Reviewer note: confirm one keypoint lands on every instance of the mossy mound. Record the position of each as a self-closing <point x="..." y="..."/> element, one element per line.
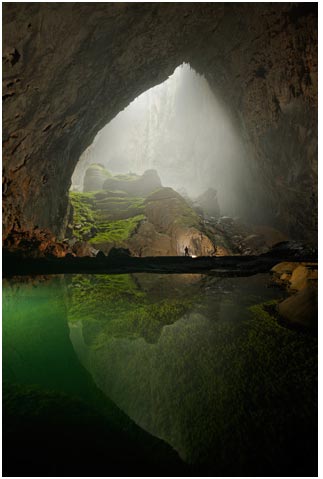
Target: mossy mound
<point x="114" y="233"/>
<point x="134" y="185"/>
<point x="104" y="220"/>
<point x="84" y="214"/>
<point x="95" y="176"/>
<point x="166" y="208"/>
<point x="135" y="212"/>
<point x="116" y="207"/>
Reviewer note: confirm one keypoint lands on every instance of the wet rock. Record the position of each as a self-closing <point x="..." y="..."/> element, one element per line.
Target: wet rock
<point x="303" y="276"/>
<point x="282" y="272"/>
<point x="301" y="309"/>
<point x="300" y="279"/>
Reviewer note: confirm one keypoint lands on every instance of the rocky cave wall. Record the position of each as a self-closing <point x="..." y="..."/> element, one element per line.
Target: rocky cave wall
<point x="69" y="68"/>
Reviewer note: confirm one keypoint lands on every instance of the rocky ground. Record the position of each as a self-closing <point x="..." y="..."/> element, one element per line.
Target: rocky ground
<point x="138" y="214"/>
<point x="300" y="279"/>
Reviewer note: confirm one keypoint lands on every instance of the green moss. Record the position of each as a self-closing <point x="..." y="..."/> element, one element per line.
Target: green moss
<point x="261" y="311"/>
<point x="127" y="177"/>
<point x="116" y="231"/>
<point x="181" y="212"/>
<point x="83" y="213"/>
<point x="187" y="217"/>
<point x="115" y="208"/>
<point x="121" y="309"/>
<point x="101" y="168"/>
<point x="113" y="218"/>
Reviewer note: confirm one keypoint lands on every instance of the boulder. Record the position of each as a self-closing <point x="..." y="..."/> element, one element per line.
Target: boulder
<point x="295" y="276"/>
<point x="148" y="242"/>
<point x="301" y="309"/>
<point x="134" y="185"/>
<point x="303" y="275"/>
<point x="270" y="235"/>
<point x="95" y="176"/>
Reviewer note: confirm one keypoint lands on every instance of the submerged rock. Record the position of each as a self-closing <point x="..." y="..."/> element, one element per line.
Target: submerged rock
<point x="301" y="309"/>
<point x="301" y="280"/>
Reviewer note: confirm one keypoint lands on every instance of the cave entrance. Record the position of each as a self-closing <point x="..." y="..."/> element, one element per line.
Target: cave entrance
<point x="178" y="136"/>
<point x="178" y="128"/>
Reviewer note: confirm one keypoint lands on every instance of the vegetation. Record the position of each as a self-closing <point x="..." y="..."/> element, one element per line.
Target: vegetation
<point x="127" y="177"/>
<point x="239" y="386"/>
<point x="109" y="218"/>
<point x="121" y="309"/>
<point x="100" y="168"/>
<point x="99" y="218"/>
<point x="116" y="232"/>
<point x="84" y="214"/>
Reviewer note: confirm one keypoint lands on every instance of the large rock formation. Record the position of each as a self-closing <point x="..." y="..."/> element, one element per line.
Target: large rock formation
<point x="301" y="280"/>
<point x="160" y="224"/>
<point x="172" y="225"/>
<point x="134" y="186"/>
<point x="69" y="68"/>
<point x="94" y="177"/>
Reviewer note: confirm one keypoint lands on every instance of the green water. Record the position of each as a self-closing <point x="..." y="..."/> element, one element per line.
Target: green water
<point x="196" y="361"/>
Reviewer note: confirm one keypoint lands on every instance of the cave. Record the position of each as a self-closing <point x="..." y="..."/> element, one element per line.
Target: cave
<point x="64" y="80"/>
<point x="160" y="203"/>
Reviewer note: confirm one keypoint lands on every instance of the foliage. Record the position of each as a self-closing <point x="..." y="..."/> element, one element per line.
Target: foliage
<point x="121" y="308"/>
<point x="115" y="232"/>
<point x="96" y="217"/>
<point x="84" y="213"/>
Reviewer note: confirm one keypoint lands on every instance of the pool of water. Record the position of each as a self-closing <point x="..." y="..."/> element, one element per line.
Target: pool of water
<point x="197" y="361"/>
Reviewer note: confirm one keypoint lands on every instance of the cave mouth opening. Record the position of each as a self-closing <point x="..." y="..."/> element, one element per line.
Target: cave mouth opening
<point x="169" y="175"/>
<point x="181" y="130"/>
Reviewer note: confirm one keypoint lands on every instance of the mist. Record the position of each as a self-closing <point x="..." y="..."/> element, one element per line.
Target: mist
<point x="183" y="131"/>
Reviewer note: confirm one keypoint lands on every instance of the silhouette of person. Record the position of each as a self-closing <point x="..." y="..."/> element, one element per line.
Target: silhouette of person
<point x="186" y="251"/>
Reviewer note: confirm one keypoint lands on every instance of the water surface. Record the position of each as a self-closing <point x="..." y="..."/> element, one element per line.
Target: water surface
<point x="194" y="360"/>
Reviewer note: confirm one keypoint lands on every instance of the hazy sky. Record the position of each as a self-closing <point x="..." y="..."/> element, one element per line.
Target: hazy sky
<point x="180" y="129"/>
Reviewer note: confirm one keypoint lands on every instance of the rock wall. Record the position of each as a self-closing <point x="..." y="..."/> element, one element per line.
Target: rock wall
<point x="69" y="68"/>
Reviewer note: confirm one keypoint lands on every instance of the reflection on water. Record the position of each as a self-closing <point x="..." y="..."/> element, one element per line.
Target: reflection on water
<point x="192" y="359"/>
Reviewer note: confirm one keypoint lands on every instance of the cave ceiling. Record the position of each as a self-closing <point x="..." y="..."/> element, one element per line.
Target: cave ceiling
<point x="69" y="68"/>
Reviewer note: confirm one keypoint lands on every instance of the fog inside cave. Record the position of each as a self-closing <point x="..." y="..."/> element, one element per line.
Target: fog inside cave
<point x="180" y="129"/>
